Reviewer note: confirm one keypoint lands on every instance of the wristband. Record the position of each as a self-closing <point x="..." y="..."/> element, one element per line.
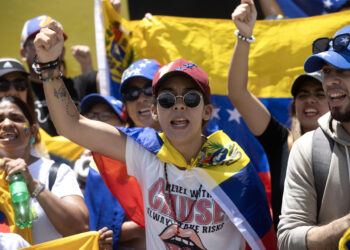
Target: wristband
<point x="39" y="67"/>
<point x="38" y="190"/>
<point x="244" y="38"/>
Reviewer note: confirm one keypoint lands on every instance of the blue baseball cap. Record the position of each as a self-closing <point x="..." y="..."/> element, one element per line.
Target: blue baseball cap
<point x="33" y="26"/>
<point x="340" y="60"/>
<point x="145" y="68"/>
<point x="92" y="99"/>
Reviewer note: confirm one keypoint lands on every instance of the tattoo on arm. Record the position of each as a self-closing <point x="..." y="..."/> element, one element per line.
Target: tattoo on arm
<point x="61" y="92"/>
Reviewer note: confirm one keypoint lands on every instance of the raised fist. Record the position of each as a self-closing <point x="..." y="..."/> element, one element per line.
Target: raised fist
<point x="244" y="17"/>
<point x="48" y="43"/>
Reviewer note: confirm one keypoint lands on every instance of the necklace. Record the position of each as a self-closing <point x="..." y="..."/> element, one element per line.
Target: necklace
<point x="167" y="186"/>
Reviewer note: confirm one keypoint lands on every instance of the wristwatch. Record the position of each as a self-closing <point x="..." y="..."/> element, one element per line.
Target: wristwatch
<point x="38" y="190"/>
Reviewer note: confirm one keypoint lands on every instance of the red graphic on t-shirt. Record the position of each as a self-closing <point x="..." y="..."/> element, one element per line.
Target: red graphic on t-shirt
<point x="186" y="239"/>
<point x="205" y="211"/>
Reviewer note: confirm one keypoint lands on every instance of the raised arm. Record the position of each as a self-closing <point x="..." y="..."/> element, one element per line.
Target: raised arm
<point x="251" y="109"/>
<point x="96" y="136"/>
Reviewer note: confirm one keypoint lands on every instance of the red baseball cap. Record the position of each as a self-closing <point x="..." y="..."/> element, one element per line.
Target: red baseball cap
<point x="182" y="67"/>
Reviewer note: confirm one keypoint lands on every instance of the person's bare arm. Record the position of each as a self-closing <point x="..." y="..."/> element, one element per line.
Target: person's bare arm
<point x="327" y="236"/>
<point x="270" y="7"/>
<point x="251" y="109"/>
<point x="69" y="214"/>
<point x="132" y="235"/>
<point x="96" y="136"/>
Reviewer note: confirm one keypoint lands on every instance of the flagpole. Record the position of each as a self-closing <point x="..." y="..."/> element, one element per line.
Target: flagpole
<point x="103" y="68"/>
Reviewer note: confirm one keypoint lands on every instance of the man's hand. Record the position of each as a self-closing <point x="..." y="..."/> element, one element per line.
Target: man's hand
<point x="83" y="55"/>
<point x="244" y="17"/>
<point x="48" y="43"/>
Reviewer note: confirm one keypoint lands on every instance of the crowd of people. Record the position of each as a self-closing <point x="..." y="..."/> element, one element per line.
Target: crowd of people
<point x="192" y="188"/>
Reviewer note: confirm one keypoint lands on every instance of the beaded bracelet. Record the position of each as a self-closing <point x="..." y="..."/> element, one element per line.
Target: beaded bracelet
<point x="244" y="38"/>
<point x="50" y="79"/>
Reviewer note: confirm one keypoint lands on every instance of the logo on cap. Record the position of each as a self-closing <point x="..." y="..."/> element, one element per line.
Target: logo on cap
<point x="7" y="65"/>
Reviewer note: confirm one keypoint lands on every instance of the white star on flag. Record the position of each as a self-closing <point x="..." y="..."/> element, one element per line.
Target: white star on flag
<point x="234" y="115"/>
<point x="215" y="114"/>
<point x="327" y="3"/>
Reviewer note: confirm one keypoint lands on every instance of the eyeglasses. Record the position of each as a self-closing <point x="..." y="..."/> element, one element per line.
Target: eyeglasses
<point x="132" y="94"/>
<point x="101" y="116"/>
<point x="339" y="43"/>
<point x="190" y="99"/>
<point x="18" y="84"/>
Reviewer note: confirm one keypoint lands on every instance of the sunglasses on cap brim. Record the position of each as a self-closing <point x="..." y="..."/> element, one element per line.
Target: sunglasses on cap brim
<point x="190" y="99"/>
<point x="132" y="94"/>
<point x="18" y="84"/>
<point x="339" y="43"/>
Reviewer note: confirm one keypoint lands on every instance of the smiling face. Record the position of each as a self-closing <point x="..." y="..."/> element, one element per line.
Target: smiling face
<point x="181" y="124"/>
<point x="336" y="85"/>
<point x="310" y="104"/>
<point x="139" y="110"/>
<point x="15" y="131"/>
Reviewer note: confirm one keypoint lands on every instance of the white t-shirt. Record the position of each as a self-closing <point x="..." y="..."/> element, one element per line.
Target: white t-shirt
<point x="206" y="227"/>
<point x="65" y="184"/>
<point x="12" y="241"/>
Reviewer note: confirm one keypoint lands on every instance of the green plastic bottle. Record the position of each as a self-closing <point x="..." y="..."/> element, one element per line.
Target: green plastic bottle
<point x="20" y="201"/>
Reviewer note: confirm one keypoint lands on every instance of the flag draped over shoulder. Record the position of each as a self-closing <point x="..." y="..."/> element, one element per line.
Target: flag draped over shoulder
<point x="226" y="172"/>
<point x="82" y="241"/>
<point x="344" y="243"/>
<point x="7" y="216"/>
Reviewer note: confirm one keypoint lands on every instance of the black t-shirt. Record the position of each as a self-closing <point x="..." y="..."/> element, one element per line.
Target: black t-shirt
<point x="77" y="87"/>
<point x="275" y="143"/>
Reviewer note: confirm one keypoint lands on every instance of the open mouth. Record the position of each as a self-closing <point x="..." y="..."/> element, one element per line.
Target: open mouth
<point x="7" y="136"/>
<point x="179" y="123"/>
<point x="187" y="239"/>
<point x="145" y="112"/>
<point x="311" y="112"/>
<point x="336" y="96"/>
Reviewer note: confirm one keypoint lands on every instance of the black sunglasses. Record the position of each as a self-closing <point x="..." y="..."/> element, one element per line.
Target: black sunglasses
<point x="339" y="43"/>
<point x="190" y="99"/>
<point x="132" y="94"/>
<point x="18" y="84"/>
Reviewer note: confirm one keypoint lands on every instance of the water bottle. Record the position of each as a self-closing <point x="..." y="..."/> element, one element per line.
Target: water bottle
<point x="20" y="201"/>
